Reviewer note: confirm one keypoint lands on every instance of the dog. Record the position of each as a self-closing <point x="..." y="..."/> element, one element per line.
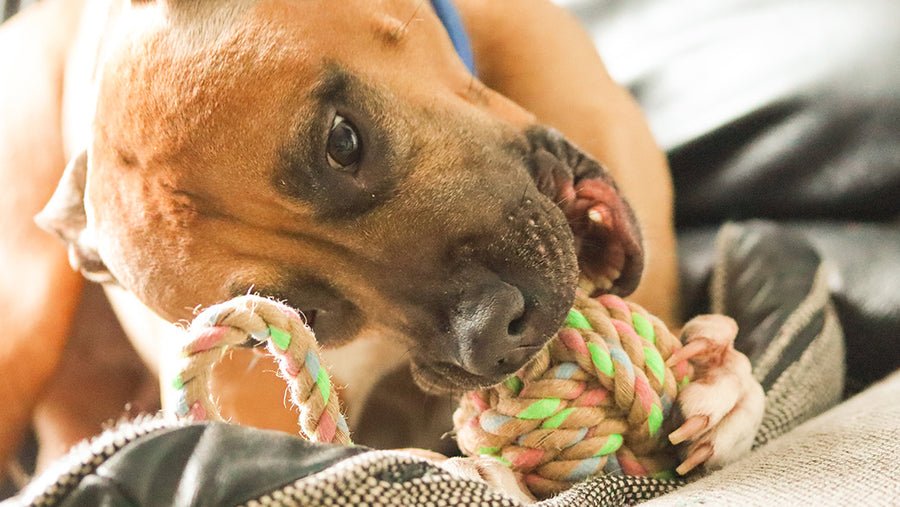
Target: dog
<point x="338" y="156"/>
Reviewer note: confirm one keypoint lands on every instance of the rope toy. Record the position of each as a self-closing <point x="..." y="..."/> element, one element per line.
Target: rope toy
<point x="251" y="321"/>
<point x="592" y="402"/>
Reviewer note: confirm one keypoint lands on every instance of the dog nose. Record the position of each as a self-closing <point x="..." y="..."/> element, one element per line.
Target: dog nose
<point x="492" y="331"/>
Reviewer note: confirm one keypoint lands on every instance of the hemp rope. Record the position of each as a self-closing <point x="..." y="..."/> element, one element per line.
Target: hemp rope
<point x="250" y="321"/>
<point x="592" y="402"/>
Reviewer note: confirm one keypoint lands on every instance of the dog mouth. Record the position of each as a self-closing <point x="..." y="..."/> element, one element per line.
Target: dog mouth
<point x="608" y="240"/>
<point x="445" y="377"/>
<point x="607" y="246"/>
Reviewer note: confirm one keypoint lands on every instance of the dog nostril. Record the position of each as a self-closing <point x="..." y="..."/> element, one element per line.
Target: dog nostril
<point x="516" y="326"/>
<point x="492" y="329"/>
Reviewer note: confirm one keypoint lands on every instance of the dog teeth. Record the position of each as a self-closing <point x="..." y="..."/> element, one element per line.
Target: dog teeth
<point x="613" y="274"/>
<point x="603" y="283"/>
<point x="594" y="284"/>
<point x="596" y="216"/>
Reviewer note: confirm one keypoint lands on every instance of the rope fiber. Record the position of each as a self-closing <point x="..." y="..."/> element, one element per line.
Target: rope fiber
<point x="250" y="321"/>
<point x="596" y="400"/>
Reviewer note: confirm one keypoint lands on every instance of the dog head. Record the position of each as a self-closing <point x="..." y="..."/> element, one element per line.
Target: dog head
<point x="339" y="157"/>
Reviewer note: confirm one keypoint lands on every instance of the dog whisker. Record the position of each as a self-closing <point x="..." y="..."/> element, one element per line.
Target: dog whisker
<point x="476" y="91"/>
<point x="401" y="31"/>
<point x="524" y="195"/>
<point x="411" y="350"/>
<point x="561" y="201"/>
<point x="416" y="369"/>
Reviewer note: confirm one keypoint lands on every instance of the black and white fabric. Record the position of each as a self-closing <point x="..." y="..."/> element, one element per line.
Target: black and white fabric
<point x="773" y="283"/>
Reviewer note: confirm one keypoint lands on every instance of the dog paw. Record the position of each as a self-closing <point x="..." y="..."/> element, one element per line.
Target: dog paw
<point x="491" y="471"/>
<point x="723" y="404"/>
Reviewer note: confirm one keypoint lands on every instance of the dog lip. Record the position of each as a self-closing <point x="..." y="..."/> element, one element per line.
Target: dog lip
<point x="530" y="349"/>
<point x="586" y="192"/>
<point x="89" y="264"/>
<point x="631" y="273"/>
<point x="443" y="377"/>
<point x="611" y="236"/>
<point x="309" y="318"/>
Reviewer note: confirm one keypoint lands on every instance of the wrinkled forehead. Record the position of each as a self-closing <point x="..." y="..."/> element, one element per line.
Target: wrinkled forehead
<point x="180" y="62"/>
<point x="192" y="84"/>
<point x="371" y="36"/>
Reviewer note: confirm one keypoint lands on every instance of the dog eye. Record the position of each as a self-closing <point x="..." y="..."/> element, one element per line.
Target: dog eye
<point x="343" y="148"/>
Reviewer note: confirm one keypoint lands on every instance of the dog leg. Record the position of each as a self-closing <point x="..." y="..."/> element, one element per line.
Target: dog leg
<point x="100" y="379"/>
<point x="723" y="405"/>
<point x="37" y="301"/>
<point x="38" y="289"/>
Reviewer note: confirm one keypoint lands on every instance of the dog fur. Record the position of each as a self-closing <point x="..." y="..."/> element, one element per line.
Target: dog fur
<point x="196" y="134"/>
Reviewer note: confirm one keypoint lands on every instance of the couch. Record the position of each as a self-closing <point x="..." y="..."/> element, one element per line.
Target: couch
<point x="781" y="120"/>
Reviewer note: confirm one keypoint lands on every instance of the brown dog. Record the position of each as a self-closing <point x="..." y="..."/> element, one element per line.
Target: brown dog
<point x="337" y="155"/>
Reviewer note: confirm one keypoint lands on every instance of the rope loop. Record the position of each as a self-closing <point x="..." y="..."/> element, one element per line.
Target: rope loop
<point x="592" y="402"/>
<point x="250" y="321"/>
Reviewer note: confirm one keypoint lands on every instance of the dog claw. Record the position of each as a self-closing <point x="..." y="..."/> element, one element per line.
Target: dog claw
<point x="694" y="425"/>
<point x="697" y="457"/>
<point x="690" y="350"/>
<point x="723" y="404"/>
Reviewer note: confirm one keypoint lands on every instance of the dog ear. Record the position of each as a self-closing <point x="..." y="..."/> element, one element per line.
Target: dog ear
<point x="65" y="217"/>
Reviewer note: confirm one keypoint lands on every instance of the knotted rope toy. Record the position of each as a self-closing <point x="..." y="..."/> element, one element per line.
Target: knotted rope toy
<point x="592" y="402"/>
<point x="250" y="321"/>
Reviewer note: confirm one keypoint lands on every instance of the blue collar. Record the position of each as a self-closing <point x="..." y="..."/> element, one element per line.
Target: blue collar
<point x="452" y="22"/>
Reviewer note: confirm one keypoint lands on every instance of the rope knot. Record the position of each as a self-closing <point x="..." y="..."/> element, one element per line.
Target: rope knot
<point x="593" y="401"/>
